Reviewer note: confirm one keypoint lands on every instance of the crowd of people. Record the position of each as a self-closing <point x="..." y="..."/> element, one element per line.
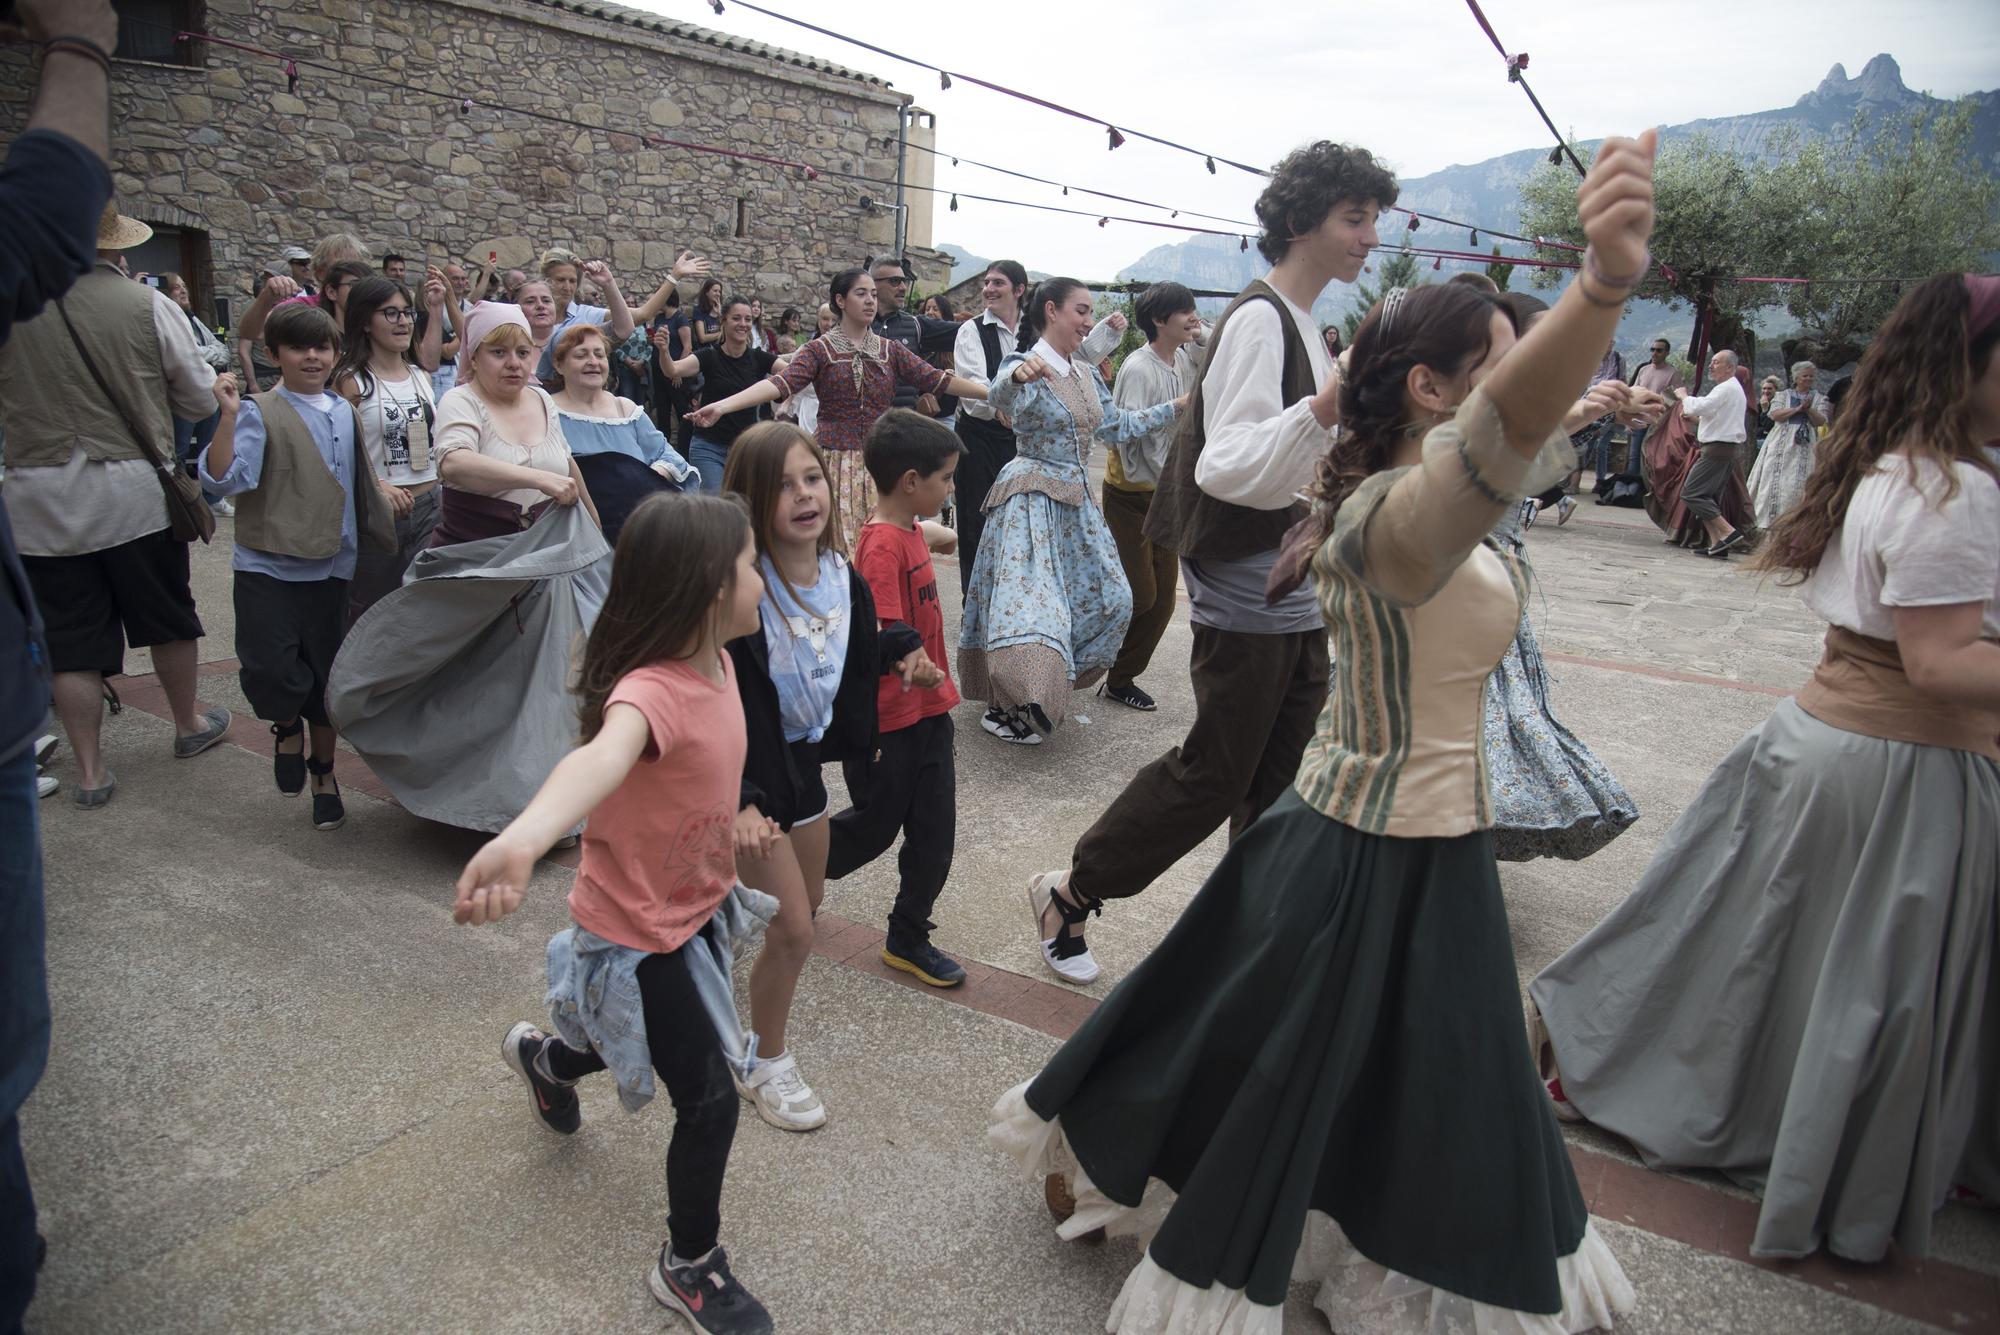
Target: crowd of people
<point x="698" y="549"/>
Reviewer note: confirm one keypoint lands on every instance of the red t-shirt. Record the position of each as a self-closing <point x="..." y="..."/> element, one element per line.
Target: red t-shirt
<point x="896" y="562"/>
<point x="660" y="853"/>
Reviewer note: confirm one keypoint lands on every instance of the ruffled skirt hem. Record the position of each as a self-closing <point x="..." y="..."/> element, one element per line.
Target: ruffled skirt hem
<point x="1354" y="1293"/>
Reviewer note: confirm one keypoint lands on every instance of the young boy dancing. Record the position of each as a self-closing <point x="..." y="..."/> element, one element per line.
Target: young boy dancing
<point x="306" y="500"/>
<point x="912" y="787"/>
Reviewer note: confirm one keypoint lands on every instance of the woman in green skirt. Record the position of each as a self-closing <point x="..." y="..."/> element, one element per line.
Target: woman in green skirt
<point x="1322" y="1072"/>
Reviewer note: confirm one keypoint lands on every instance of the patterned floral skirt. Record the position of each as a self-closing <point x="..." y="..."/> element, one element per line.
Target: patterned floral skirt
<point x="1048" y="604"/>
<point x="853" y="494"/>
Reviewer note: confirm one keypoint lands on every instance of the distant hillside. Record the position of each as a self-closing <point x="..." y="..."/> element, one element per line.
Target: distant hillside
<point x="1490" y="192"/>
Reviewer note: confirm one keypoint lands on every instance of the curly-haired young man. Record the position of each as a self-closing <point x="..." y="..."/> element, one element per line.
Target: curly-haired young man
<point x="1265" y="407"/>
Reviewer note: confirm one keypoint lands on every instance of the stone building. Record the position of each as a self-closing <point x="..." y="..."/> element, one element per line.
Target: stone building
<point x="231" y="160"/>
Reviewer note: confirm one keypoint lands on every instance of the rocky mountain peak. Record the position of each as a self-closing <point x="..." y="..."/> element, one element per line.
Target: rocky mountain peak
<point x="1881" y="81"/>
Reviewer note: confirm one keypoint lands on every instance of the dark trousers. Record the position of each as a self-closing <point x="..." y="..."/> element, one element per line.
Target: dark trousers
<point x="1702" y="493"/>
<point x="988" y="449"/>
<point x="287" y="633"/>
<point x="378" y="574"/>
<point x="24" y="1024"/>
<point x="1257" y="699"/>
<point x="687" y="1054"/>
<point x="911" y="789"/>
<point x="1152" y="572"/>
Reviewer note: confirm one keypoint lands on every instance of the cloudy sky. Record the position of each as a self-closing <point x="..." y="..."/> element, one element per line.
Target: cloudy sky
<point x="1414" y="80"/>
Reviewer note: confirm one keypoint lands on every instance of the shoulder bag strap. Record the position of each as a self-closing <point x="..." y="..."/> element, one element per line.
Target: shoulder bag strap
<point x="151" y="452"/>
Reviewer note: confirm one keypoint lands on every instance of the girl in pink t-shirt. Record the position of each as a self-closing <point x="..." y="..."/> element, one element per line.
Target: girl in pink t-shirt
<point x="657" y="773"/>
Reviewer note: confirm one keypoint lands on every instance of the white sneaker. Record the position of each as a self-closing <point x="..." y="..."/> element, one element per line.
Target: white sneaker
<point x="1564" y="509"/>
<point x="1009" y="727"/>
<point x="46" y="785"/>
<point x="1078" y="965"/>
<point x="223" y="509"/>
<point x="781" y="1095"/>
<point x="45" y="747"/>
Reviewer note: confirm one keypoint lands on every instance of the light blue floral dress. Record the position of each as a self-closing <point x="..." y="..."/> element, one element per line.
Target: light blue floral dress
<point x="1048" y="603"/>
<point x="1552" y="798"/>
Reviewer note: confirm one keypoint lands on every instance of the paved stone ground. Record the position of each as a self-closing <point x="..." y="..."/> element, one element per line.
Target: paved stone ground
<point x="276" y="1100"/>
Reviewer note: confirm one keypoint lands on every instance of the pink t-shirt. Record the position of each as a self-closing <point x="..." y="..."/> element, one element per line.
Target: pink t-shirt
<point x="659" y="854"/>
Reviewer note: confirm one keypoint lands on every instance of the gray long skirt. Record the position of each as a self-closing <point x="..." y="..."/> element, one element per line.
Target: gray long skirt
<point x="1801" y="990"/>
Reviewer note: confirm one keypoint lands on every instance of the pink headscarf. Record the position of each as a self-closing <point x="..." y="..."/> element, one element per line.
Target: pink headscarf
<point x="1984" y="290"/>
<point x="486" y="316"/>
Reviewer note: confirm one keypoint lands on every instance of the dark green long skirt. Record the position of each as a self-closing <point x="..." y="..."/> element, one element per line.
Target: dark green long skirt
<point x="1335" y="1025"/>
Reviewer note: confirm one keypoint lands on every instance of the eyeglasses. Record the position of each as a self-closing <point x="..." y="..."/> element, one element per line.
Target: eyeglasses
<point x="397" y="314"/>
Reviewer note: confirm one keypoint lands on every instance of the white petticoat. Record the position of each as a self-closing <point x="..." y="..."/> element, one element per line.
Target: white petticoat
<point x="1355" y="1294"/>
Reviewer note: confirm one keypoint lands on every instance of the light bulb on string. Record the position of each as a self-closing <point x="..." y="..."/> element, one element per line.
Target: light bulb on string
<point x="1211" y="165"/>
<point x="1117" y="139"/>
<point x="1104" y="222"/>
<point x="944" y="81"/>
<point x="715" y="5"/>
<point x="1243" y="243"/>
<point x="954" y="203"/>
<point x="1475" y="236"/>
<point x="1438" y="263"/>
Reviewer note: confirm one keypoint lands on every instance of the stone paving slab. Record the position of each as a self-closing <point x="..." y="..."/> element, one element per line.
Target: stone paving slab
<point x="278" y="1103"/>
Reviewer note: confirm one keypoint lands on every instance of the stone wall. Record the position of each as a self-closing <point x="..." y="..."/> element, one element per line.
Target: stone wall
<point x="222" y="146"/>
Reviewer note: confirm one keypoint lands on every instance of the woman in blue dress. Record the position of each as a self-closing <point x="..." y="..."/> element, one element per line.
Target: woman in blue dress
<point x="622" y="455"/>
<point x="1048" y="603"/>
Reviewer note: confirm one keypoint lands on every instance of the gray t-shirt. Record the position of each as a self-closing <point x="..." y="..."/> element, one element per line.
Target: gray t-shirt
<point x="1229" y="595"/>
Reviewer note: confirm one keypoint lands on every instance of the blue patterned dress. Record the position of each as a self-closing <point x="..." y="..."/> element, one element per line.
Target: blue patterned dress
<point x="1048" y="604"/>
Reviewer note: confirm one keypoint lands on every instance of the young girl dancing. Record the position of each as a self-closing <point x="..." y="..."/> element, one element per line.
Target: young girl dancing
<point x="808" y="674"/>
<point x="641" y="983"/>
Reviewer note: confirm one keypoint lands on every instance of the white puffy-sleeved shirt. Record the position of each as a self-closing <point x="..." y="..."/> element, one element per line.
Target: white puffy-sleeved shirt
<point x="1905" y="545"/>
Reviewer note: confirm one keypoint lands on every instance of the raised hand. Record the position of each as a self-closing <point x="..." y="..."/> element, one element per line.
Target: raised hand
<point x="1615" y="204"/>
<point x="1031" y="370"/>
<point x="689" y="265"/>
<point x="39" y="20"/>
<point x="436" y="290"/>
<point x="1117" y="322"/>
<point x="280" y="288"/>
<point x="228" y="394"/>
<point x="598" y="272"/>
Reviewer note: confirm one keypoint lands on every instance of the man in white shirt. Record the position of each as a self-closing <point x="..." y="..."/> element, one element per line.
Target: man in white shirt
<point x="1719" y="429"/>
<point x="1262" y="416"/>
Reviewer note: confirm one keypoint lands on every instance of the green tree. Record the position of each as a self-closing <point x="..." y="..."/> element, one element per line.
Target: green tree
<point x="1903" y="199"/>
<point x="1399" y="270"/>
<point x="1907" y="202"/>
<point x="1501" y="274"/>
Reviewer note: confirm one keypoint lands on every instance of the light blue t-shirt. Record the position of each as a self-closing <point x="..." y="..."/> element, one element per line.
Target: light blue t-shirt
<point x="807" y="641"/>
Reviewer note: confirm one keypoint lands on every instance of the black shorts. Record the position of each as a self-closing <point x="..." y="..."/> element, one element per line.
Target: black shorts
<point x="136" y="593"/>
<point x="287" y="633"/>
<point x="813" y="800"/>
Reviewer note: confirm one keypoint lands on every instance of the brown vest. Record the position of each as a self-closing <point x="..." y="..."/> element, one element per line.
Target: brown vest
<point x="1186" y="519"/>
<point x="297" y="505"/>
<point x="49" y="401"/>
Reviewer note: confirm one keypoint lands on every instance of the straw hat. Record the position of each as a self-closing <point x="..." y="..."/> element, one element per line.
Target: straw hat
<point x="117" y="232"/>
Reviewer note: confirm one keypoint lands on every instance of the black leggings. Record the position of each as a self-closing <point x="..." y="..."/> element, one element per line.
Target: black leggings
<point x="687" y="1053"/>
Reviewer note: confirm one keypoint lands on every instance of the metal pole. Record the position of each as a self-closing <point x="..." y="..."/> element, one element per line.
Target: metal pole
<point x="902" y="154"/>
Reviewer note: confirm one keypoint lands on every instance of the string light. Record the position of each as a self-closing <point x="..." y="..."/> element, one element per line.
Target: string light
<point x="944" y="81"/>
<point x="954" y="203"/>
<point x="1117" y="139"/>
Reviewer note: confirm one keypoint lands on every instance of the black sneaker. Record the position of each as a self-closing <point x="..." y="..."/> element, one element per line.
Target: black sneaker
<point x="329" y="812"/>
<point x="555" y="1100"/>
<point x="1131" y="697"/>
<point x="1729" y="544"/>
<point x="707" y="1295"/>
<point x="926" y="961"/>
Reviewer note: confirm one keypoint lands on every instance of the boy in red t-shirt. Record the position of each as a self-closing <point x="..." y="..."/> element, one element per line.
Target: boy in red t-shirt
<point x="912" y="786"/>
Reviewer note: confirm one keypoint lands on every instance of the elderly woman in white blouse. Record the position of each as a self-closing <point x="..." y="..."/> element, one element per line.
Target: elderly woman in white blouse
<point x="1785" y="459"/>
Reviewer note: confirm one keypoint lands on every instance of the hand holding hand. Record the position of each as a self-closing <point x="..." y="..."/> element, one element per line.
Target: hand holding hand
<point x="558" y="487"/>
<point x="400" y="501"/>
<point x="689" y="265"/>
<point x="492" y="884"/>
<point x="1615" y="203"/>
<point x="917" y="670"/>
<point x="927" y="404"/>
<point x="756" y="834"/>
<point x="1031" y="370"/>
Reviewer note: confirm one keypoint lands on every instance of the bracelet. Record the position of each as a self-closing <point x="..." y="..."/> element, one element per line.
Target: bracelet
<point x="81" y="46"/>
<point x="1590" y="267"/>
<point x="1583" y="281"/>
